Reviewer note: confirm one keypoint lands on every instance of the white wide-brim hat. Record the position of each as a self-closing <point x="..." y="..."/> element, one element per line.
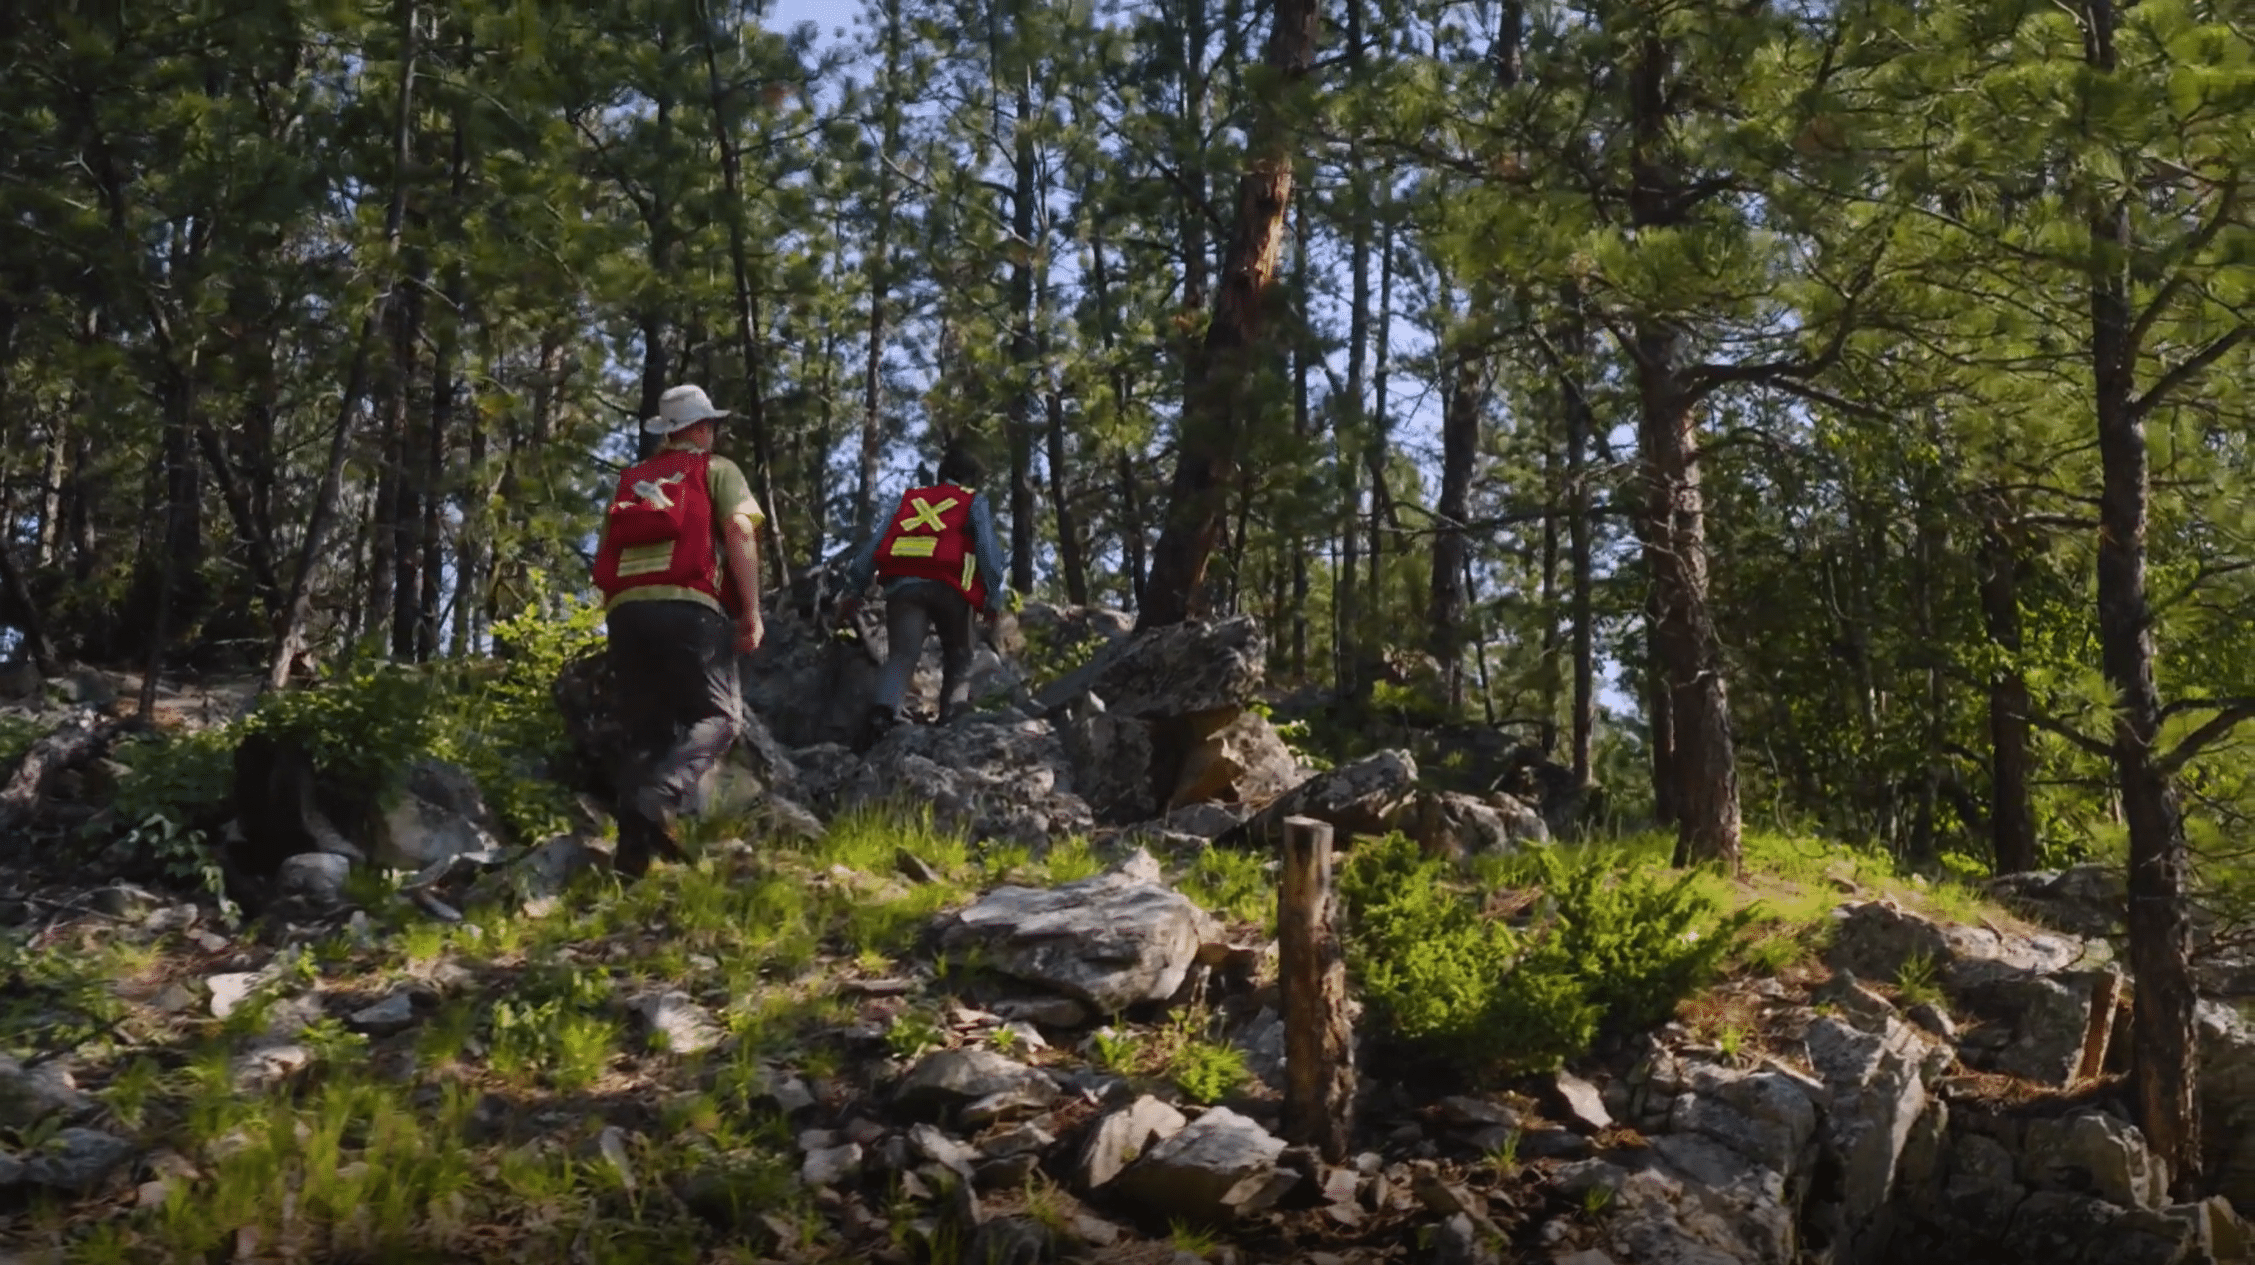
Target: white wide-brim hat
<point x="682" y="406"/>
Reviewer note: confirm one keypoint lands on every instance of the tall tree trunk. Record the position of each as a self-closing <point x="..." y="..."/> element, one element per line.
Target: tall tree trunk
<point x="747" y="320"/>
<point x="1131" y="510"/>
<point x="182" y="539"/>
<point x="1023" y="347"/>
<point x="1215" y="424"/>
<point x="1379" y="434"/>
<point x="258" y="546"/>
<point x="443" y="387"/>
<point x="2164" y="1075"/>
<point x="291" y="643"/>
<point x="1553" y="634"/>
<point x="1705" y="794"/>
<point x="2012" y="813"/>
<point x="1068" y="527"/>
<point x="880" y="279"/>
<point x="1575" y="409"/>
<point x="1460" y="447"/>
<point x="1303" y="428"/>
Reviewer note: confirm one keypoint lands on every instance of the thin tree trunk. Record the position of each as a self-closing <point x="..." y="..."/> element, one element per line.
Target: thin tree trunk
<point x="182" y="541"/>
<point x="1574" y="405"/>
<point x="1068" y="527"/>
<point x="18" y="592"/>
<point x="1303" y="427"/>
<point x="1131" y="510"/>
<point x="880" y="278"/>
<point x="443" y="388"/>
<point x="2012" y="814"/>
<point x="1023" y="347"/>
<point x="747" y="321"/>
<point x="258" y="547"/>
<point x="1380" y="430"/>
<point x="1460" y="446"/>
<point x="1553" y="635"/>
<point x="291" y="643"/>
<point x="1214" y="427"/>
<point x="1705" y="793"/>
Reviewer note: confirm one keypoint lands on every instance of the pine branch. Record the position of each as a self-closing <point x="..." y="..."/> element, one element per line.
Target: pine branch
<point x="2187" y="371"/>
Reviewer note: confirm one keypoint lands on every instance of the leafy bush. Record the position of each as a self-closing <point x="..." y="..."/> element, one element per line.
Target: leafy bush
<point x="1640" y="944"/>
<point x="1618" y="947"/>
<point x="503" y="726"/>
<point x="1208" y="1072"/>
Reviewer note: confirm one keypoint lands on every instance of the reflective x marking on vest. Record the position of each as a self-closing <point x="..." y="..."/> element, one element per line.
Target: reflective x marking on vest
<point x="927" y="514"/>
<point x="653" y="494"/>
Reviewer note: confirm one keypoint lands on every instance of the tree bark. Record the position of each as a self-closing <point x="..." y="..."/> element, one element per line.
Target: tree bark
<point x="880" y="279"/>
<point x="291" y="643"/>
<point x="1460" y="444"/>
<point x="1705" y="791"/>
<point x="2012" y="813"/>
<point x="1303" y="427"/>
<point x="2165" y="1073"/>
<point x="747" y="319"/>
<point x="1069" y="558"/>
<point x="1023" y="347"/>
<point x="1574" y="408"/>
<point x="1213" y="428"/>
<point x="1319" y="1091"/>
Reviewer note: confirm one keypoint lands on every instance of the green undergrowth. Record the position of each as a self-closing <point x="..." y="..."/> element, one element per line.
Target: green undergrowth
<point x="366" y="725"/>
<point x="1614" y="939"/>
<point x="476" y="1133"/>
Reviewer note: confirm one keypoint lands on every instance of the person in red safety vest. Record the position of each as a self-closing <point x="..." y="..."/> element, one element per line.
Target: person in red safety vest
<point x="942" y="568"/>
<point x="678" y="565"/>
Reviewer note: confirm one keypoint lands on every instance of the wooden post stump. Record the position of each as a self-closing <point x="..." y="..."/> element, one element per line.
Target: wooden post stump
<point x="1319" y="1073"/>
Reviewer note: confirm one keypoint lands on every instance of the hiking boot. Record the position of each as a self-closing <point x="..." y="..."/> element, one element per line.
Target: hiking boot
<point x="638" y="842"/>
<point x="879" y="722"/>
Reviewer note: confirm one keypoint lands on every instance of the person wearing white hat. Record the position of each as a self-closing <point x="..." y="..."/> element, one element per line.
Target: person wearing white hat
<point x="678" y="564"/>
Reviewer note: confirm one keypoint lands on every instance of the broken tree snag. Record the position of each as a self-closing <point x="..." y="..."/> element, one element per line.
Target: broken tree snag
<point x="82" y="739"/>
<point x="1319" y="1073"/>
<point x="2106" y="998"/>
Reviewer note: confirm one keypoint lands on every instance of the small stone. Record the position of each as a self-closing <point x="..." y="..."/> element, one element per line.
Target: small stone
<point x="831" y="1165"/>
<point x="940" y="1149"/>
<point x="1026" y="1035"/>
<point x="1048" y="1012"/>
<point x="1583" y="1101"/>
<point x="395" y="1013"/>
<point x="1094" y="1231"/>
<point x="268" y="1064"/>
<point x="1935" y="1020"/>
<point x="77" y="1160"/>
<point x="1120" y="1138"/>
<point x="1022" y="1140"/>
<point x="208" y="941"/>
<point x="171" y="918"/>
<point x="916" y="868"/>
<point x="612" y="1143"/>
<point x="124" y="900"/>
<point x="1006" y="1172"/>
<point x="684" y="1025"/>
<point x="228" y="991"/>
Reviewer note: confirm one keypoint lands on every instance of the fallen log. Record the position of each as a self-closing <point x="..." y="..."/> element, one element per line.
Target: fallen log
<point x="80" y="740"/>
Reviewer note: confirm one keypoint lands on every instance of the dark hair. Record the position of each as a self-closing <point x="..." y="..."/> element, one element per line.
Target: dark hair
<point x="960" y="467"/>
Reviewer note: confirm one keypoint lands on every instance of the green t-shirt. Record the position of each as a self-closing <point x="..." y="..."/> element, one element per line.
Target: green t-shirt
<point x="731" y="495"/>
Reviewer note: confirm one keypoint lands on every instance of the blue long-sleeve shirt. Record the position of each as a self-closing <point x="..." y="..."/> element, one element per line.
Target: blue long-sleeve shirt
<point x="984" y="544"/>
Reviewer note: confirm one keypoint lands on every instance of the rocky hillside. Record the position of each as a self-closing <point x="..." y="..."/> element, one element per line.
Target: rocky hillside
<point x="1005" y="992"/>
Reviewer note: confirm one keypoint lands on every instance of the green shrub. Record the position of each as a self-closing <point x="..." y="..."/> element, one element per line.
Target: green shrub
<point x="1208" y="1072"/>
<point x="1617" y="946"/>
<point x="1641" y="944"/>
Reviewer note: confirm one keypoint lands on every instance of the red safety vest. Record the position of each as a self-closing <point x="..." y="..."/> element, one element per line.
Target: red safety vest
<point x="660" y="529"/>
<point x="930" y="539"/>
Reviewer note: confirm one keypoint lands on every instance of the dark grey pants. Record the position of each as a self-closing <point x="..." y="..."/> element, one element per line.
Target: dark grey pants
<point x="675" y="665"/>
<point x="913" y="607"/>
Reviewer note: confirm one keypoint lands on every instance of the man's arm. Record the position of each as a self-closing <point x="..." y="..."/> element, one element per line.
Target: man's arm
<point x="989" y="550"/>
<point x="741" y="545"/>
